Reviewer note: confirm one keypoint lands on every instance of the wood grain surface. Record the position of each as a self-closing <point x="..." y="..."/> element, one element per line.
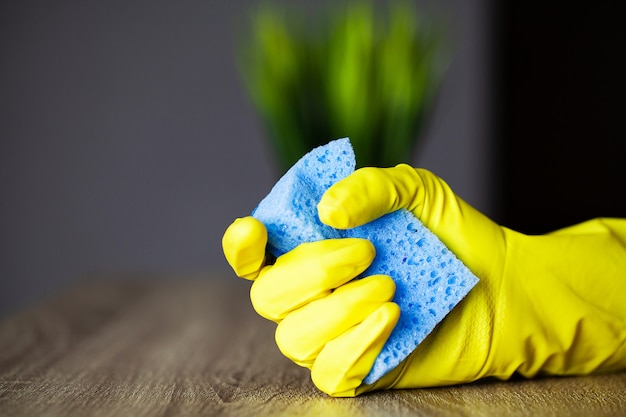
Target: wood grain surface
<point x="196" y="348"/>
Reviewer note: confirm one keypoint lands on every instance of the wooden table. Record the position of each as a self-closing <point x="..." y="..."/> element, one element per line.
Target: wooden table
<point x="196" y="348"/>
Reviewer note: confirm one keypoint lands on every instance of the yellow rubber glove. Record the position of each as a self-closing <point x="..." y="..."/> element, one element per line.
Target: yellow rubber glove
<point x="326" y="322"/>
<point x="551" y="304"/>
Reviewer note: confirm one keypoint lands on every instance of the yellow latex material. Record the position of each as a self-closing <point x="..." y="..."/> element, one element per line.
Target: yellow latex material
<point x="550" y="304"/>
<point x="244" y="247"/>
<point x="326" y="321"/>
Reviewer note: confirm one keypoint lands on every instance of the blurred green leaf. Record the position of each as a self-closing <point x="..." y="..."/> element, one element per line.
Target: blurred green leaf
<point x="349" y="71"/>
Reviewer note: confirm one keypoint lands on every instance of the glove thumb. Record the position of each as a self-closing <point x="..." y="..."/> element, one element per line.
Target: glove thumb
<point x="369" y="193"/>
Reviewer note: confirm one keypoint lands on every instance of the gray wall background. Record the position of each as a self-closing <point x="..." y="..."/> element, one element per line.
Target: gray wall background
<point x="127" y="144"/>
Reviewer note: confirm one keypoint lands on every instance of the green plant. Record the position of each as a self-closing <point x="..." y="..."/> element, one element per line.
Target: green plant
<point x="349" y="71"/>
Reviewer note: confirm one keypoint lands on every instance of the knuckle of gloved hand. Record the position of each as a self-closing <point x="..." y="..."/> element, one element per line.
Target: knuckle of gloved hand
<point x="425" y="178"/>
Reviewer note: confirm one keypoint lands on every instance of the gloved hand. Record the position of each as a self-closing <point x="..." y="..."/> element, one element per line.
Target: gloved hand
<point x="551" y="304"/>
<point x="326" y="322"/>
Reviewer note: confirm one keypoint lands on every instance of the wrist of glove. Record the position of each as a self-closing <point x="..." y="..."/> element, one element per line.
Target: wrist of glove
<point x="553" y="304"/>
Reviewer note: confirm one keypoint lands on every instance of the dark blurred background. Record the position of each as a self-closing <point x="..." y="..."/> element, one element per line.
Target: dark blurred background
<point x="561" y="95"/>
<point x="127" y="143"/>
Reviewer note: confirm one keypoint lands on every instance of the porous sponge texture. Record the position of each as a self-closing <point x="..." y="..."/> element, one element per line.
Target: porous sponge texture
<point x="289" y="211"/>
<point x="430" y="280"/>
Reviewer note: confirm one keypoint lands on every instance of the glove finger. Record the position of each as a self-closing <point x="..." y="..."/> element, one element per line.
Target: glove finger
<point x="308" y="272"/>
<point x="244" y="246"/>
<point x="344" y="362"/>
<point x="304" y="332"/>
<point x="369" y="193"/>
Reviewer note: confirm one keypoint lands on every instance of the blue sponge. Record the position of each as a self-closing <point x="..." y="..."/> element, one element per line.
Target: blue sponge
<point x="429" y="279"/>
